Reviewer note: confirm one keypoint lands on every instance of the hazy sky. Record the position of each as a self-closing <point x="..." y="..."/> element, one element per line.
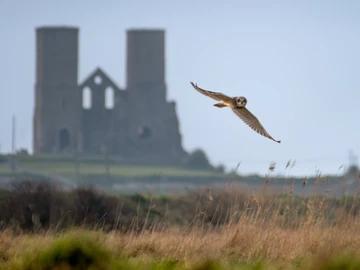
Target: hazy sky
<point x="297" y="62"/>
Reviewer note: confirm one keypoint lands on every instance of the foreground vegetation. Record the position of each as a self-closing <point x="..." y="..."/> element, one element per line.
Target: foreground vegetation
<point x="43" y="227"/>
<point x="247" y="245"/>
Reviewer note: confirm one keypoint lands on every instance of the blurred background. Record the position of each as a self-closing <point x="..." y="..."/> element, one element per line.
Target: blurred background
<point x="296" y="62"/>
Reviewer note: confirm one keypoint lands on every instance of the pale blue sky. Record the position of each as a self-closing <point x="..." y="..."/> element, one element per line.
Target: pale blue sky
<point x="297" y="62"/>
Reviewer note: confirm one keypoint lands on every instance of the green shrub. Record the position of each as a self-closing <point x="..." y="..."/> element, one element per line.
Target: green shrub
<point x="71" y="251"/>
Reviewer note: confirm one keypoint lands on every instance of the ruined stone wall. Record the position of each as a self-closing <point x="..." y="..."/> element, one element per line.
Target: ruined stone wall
<point x="97" y="114"/>
<point x="120" y="141"/>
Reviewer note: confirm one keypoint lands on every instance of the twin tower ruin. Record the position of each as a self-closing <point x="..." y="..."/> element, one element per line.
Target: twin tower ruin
<point x="96" y="116"/>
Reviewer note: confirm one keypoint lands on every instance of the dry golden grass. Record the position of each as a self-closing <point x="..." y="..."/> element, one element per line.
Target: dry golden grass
<point x="287" y="231"/>
<point x="259" y="235"/>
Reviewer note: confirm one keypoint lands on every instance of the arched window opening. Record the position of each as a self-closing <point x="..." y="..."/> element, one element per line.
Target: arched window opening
<point x="64" y="139"/>
<point x="87" y="98"/>
<point x="98" y="80"/>
<point x="109" y="98"/>
<point x="144" y="132"/>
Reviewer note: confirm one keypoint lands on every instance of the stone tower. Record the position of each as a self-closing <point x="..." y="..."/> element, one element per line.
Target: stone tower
<point x="153" y="127"/>
<point x="57" y="115"/>
<point x="145" y="60"/>
<point x="136" y="124"/>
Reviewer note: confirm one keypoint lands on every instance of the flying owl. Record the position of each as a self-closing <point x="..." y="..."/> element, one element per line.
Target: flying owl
<point x="238" y="106"/>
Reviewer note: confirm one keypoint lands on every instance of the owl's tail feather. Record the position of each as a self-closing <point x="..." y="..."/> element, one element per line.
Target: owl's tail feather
<point x="220" y="105"/>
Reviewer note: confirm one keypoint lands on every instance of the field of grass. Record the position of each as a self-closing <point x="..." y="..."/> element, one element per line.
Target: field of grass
<point x="5" y="169"/>
<point x="239" y="247"/>
<point x="249" y="244"/>
<point x="67" y="168"/>
<point x="96" y="166"/>
<point x="227" y="229"/>
<point x="46" y="228"/>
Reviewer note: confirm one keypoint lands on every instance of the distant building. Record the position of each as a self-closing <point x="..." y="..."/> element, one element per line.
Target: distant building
<point x="136" y="123"/>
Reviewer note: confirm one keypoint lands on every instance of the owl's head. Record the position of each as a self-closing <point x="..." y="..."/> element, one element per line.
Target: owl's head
<point x="240" y="102"/>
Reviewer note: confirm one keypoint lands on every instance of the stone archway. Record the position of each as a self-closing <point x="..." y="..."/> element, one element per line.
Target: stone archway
<point x="64" y="139"/>
<point x="144" y="132"/>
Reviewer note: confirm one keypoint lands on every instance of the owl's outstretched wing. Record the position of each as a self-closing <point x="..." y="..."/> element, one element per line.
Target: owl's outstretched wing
<point x="214" y="95"/>
<point x="251" y="120"/>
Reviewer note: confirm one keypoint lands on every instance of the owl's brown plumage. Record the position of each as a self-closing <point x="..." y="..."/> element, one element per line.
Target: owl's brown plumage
<point x="238" y="106"/>
<point x="214" y="95"/>
<point x="251" y="120"/>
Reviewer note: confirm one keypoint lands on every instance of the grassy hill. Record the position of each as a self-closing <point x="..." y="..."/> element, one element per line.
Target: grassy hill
<point x="113" y="175"/>
<point x="65" y="165"/>
<point x="101" y="172"/>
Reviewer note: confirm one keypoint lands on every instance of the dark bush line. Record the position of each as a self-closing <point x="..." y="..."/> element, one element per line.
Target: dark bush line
<point x="29" y="206"/>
